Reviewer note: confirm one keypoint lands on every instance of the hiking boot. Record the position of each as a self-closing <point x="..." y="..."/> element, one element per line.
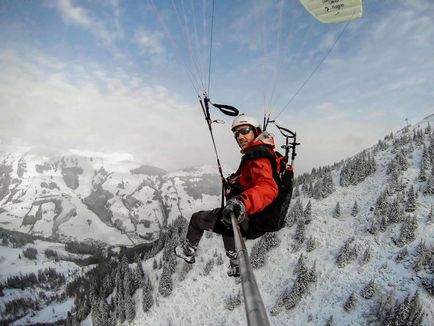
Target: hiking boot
<point x="186" y="251"/>
<point x="234" y="268"/>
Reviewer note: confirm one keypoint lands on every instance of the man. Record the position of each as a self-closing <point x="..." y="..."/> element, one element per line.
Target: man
<point x="250" y="191"/>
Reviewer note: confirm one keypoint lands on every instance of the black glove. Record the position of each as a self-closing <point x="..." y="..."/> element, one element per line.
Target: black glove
<point x="236" y="206"/>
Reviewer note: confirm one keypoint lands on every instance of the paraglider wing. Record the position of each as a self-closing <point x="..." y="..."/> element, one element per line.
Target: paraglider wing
<point x="334" y="11"/>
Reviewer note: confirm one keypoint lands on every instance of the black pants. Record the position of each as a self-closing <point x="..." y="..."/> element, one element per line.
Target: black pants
<point x="212" y="221"/>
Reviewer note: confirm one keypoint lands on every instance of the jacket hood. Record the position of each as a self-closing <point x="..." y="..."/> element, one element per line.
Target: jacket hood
<point x="264" y="138"/>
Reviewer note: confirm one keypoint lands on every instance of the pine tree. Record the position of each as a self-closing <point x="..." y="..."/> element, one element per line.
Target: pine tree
<point x="208" y="266"/>
<point x="402" y="254"/>
<point x="369" y="290"/>
<point x="422" y="175"/>
<point x="395" y="212"/>
<point x="430" y="218"/>
<point x="355" y="209"/>
<point x="188" y="267"/>
<point x="337" y="211"/>
<point x="366" y="256"/>
<point x="166" y="284"/>
<point x="346" y="254"/>
<point x="408" y="230"/>
<point x="411" y="200"/>
<point x="299" y="234"/>
<point x="295" y="213"/>
<point x="219" y="260"/>
<point x="130" y="307"/>
<point x="308" y="213"/>
<point x="148" y="300"/>
<point x="328" y="186"/>
<point x="260" y="249"/>
<point x="310" y="244"/>
<point x="428" y="129"/>
<point x="139" y="275"/>
<point x="129" y="288"/>
<point x="233" y="301"/>
<point x="429" y="188"/>
<point x="350" y="303"/>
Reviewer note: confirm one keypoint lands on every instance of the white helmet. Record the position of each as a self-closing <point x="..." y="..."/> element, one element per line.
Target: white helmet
<point x="243" y="119"/>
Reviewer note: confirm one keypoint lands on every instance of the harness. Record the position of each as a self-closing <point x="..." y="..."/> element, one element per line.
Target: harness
<point x="272" y="217"/>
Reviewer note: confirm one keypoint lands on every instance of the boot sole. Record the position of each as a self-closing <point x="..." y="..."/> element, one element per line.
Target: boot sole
<point x="187" y="261"/>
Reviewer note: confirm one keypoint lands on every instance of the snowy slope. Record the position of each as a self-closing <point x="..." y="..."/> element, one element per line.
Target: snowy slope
<point x="46" y="294"/>
<point x="201" y="299"/>
<point x="95" y="197"/>
<point x="143" y="203"/>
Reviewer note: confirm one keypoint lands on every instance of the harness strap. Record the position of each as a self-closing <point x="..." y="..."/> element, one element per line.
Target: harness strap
<point x="262" y="151"/>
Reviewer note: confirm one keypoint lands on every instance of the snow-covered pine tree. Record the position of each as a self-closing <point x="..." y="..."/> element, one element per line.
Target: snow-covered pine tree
<point x="290" y="297"/>
<point x="431" y="149"/>
<point x="219" y="260"/>
<point x="166" y="283"/>
<point x="308" y="213"/>
<point x="366" y="256"/>
<point x="328" y="186"/>
<point x="408" y="231"/>
<point x="130" y="306"/>
<point x="355" y="209"/>
<point x="337" y="211"/>
<point x="94" y="312"/>
<point x="295" y="213"/>
<point x="148" y="300"/>
<point x="208" y="266"/>
<point x="428" y="284"/>
<point x="233" y="301"/>
<point x="410" y="205"/>
<point x="119" y="295"/>
<point x="395" y="213"/>
<point x="310" y="244"/>
<point x="351" y="302"/>
<point x="402" y="254"/>
<point x="299" y="236"/>
<point x="409" y="312"/>
<point x="381" y="205"/>
<point x="296" y="192"/>
<point x="346" y="254"/>
<point x="428" y="129"/>
<point x="429" y="188"/>
<point x="259" y="250"/>
<point x="369" y="290"/>
<point x="430" y="217"/>
<point x="104" y="313"/>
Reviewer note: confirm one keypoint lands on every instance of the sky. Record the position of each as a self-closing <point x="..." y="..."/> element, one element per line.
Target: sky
<point x="124" y="76"/>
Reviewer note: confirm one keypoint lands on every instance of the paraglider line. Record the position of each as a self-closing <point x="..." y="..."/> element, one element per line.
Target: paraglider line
<point x="315" y="70"/>
<point x="210" y="46"/>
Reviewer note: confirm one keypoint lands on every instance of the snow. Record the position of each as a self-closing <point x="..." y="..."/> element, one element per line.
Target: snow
<point x="201" y="299"/>
<point x="52" y="313"/>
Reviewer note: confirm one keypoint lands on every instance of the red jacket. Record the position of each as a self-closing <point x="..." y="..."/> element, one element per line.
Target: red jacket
<point x="255" y="177"/>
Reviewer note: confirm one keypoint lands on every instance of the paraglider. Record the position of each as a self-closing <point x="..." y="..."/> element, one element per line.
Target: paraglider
<point x="334" y="11"/>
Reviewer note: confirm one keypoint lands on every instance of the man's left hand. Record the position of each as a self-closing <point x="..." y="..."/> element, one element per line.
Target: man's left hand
<point x="236" y="206"/>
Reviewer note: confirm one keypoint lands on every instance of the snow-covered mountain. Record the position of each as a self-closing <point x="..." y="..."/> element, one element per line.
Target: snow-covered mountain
<point x="95" y="197"/>
<point x="357" y="248"/>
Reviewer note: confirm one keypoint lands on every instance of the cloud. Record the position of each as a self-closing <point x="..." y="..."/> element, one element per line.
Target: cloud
<point x="87" y="110"/>
<point x="149" y="42"/>
<point x="79" y="16"/>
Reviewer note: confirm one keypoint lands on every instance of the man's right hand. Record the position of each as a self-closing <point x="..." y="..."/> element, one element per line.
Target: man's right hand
<point x="236" y="206"/>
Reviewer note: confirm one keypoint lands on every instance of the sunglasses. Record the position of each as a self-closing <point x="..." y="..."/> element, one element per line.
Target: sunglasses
<point x="242" y="131"/>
